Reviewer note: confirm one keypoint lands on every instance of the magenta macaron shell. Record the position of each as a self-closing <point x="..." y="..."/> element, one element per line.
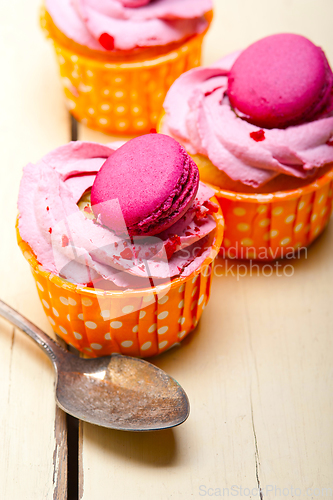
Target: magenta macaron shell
<point x="280" y="80"/>
<point x="154" y="180"/>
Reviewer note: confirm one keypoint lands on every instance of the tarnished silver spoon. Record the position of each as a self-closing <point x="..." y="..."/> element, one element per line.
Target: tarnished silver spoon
<point x="114" y="391"/>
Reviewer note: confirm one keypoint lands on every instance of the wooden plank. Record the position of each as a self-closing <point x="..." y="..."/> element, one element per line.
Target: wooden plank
<point x="257" y="369"/>
<point x="60" y="455"/>
<point x="33" y="121"/>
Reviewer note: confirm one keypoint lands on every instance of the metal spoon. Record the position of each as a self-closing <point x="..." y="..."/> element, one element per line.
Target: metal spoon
<point x="115" y="391"/>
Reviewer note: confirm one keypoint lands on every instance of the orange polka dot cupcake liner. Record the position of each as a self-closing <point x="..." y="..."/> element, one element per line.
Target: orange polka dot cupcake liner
<point x="138" y="323"/>
<point x="274" y="225"/>
<point x="121" y="97"/>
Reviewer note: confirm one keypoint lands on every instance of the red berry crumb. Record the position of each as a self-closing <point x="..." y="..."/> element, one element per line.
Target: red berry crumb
<point x="64" y="240"/>
<point x="50" y="230"/>
<point x="258" y="135"/>
<point x="153" y="131"/>
<point x="212" y="207"/>
<point x="47" y="208"/>
<point x="200" y="215"/>
<point x="127" y="254"/>
<point x="171" y="245"/>
<point x="107" y="41"/>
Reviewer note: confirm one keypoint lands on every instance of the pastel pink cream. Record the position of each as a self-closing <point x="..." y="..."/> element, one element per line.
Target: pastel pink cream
<point x="131" y="23"/>
<point x="154" y="180"/>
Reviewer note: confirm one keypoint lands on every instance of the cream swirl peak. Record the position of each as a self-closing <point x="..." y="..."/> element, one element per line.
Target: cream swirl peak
<point x="71" y="243"/>
<point x="199" y="115"/>
<point x="128" y="24"/>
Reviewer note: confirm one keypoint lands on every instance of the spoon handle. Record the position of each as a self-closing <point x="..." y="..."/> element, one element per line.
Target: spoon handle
<point x="52" y="348"/>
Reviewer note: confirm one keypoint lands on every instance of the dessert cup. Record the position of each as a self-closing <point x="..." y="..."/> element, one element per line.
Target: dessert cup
<point x="120" y="94"/>
<point x="266" y="152"/>
<point x="272" y="225"/>
<point x="142" y="323"/>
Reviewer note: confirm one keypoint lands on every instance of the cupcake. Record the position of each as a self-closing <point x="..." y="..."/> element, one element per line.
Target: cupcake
<point x="121" y="243"/>
<point x="118" y="59"/>
<point x="259" y="124"/>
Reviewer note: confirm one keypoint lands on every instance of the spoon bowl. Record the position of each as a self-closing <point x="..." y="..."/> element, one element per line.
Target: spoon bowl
<point x="119" y="392"/>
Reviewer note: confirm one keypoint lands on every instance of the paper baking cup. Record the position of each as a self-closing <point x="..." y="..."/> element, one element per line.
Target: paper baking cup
<point x="139" y="323"/>
<point x="122" y="98"/>
<point x="274" y="225"/>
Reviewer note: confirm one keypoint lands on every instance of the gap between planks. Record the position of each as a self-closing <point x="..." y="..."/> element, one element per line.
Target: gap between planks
<point x="67" y="456"/>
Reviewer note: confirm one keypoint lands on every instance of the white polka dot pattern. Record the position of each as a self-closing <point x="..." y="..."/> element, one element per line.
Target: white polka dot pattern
<point x="96" y="346"/>
<point x="163" y="300"/>
<point x="163" y="330"/>
<point x="131" y="94"/>
<point x="106" y="314"/>
<point x="146" y="346"/>
<point x="116" y="324"/>
<point x="127" y="343"/>
<point x="55" y="312"/>
<point x="91" y="325"/>
<point x="127" y="309"/>
<point x="87" y="302"/>
<point x="271" y="230"/>
<point x="163" y="315"/>
<point x="100" y="325"/>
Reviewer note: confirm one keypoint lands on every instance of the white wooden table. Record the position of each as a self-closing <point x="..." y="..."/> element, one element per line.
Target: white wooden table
<point x="261" y="392"/>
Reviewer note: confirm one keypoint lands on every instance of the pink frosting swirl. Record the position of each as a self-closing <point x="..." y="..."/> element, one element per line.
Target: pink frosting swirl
<point x="128" y="23"/>
<point x="134" y="3"/>
<point x="72" y="244"/>
<point x="199" y="115"/>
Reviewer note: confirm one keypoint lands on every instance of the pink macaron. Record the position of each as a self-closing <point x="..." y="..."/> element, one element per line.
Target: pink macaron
<point x="280" y="80"/>
<point x="154" y="180"/>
